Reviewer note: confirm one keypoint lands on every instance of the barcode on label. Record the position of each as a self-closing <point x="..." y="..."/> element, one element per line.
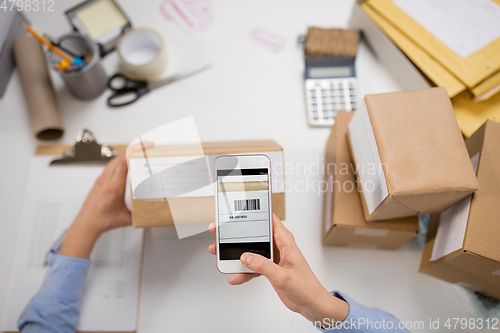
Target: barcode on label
<point x="248" y="204"/>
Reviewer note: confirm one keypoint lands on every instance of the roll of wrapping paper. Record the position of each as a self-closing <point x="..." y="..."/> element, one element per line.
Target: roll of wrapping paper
<point x="38" y="90"/>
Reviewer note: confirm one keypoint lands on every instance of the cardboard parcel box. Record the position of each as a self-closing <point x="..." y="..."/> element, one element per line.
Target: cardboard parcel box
<point x="409" y="154"/>
<point x="463" y="244"/>
<point x="198" y="206"/>
<point x="344" y="222"/>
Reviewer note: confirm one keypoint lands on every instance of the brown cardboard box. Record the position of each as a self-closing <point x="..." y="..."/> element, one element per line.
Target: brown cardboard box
<point x="476" y="262"/>
<point x="344" y="222"/>
<point x="410" y="152"/>
<point x="198" y="210"/>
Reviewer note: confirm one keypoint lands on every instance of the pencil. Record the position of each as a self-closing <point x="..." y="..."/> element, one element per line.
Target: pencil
<point x="53" y="48"/>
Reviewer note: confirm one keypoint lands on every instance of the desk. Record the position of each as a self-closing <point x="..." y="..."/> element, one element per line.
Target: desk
<point x="250" y="93"/>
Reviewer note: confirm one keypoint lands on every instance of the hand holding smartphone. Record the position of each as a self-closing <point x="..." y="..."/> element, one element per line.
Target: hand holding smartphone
<point x="243" y="210"/>
<point x="291" y="277"/>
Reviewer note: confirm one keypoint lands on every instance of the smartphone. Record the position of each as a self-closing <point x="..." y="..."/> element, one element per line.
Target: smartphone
<point x="243" y="209"/>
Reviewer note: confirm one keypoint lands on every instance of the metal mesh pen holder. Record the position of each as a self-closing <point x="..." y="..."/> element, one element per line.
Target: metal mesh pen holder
<point x="90" y="81"/>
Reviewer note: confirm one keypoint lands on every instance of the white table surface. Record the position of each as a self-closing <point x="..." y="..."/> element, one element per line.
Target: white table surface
<point x="250" y="93"/>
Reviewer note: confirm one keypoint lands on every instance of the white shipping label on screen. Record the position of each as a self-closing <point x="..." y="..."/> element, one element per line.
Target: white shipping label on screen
<point x="464" y="26"/>
<point x="243" y="216"/>
<point x="453" y="224"/>
<point x="368" y="165"/>
<point x="190" y="173"/>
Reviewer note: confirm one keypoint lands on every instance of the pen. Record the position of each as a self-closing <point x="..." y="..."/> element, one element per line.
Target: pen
<point x="72" y="53"/>
<point x="56" y="246"/>
<point x="56" y="50"/>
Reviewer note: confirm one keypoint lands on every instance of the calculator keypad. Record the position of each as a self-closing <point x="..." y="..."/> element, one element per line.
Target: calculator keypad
<point x="325" y="97"/>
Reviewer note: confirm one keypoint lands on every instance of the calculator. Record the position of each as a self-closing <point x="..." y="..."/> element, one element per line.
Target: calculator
<point x="331" y="86"/>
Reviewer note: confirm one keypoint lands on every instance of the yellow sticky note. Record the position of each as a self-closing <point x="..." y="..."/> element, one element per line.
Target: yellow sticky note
<point x="100" y="18"/>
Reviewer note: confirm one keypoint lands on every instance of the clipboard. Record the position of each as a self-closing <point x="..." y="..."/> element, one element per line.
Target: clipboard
<point x="53" y="198"/>
<point x="472" y="70"/>
<point x="84" y="150"/>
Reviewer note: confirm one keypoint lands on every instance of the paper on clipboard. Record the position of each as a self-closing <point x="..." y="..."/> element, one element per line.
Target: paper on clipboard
<point x="53" y="197"/>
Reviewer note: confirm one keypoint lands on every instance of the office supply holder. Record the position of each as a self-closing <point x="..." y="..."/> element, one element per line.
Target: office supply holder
<point x="85" y="149"/>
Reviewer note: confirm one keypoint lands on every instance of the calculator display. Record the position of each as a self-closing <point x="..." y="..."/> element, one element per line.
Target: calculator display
<point x="327" y="72"/>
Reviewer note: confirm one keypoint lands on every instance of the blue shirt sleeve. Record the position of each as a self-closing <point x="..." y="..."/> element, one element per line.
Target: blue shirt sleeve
<point x="364" y="319"/>
<point x="56" y="306"/>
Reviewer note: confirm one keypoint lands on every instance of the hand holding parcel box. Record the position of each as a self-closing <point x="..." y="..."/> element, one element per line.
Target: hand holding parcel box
<point x="193" y="202"/>
<point x="344" y="222"/>
<point x="409" y="154"/>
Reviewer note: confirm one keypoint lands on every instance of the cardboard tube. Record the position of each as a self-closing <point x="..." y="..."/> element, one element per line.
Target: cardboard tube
<point x="38" y="90"/>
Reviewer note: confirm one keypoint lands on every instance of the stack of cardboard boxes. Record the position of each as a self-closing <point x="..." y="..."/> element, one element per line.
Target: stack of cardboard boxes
<point x="401" y="155"/>
<point x="463" y="242"/>
<point x="408" y="158"/>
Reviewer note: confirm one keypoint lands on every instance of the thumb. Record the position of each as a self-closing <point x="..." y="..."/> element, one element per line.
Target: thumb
<point x="261" y="265"/>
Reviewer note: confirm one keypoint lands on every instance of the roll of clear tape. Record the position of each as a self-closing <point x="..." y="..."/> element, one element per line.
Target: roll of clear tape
<point x="142" y="54"/>
<point x="38" y="90"/>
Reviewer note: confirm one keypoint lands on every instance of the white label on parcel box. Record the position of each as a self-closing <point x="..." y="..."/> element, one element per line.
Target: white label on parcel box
<point x="188" y="175"/>
<point x="465" y="26"/>
<point x="371" y="232"/>
<point x="329" y="203"/>
<point x="363" y="245"/>
<point x="453" y="224"/>
<point x="368" y="166"/>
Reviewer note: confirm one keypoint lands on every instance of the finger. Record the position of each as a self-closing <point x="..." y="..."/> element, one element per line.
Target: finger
<point x="261" y="265"/>
<point x="140" y="146"/>
<point x="242" y="278"/>
<point x="282" y="236"/>
<point x="276" y="253"/>
<point x="125" y="219"/>
<point x="277" y="224"/>
<point x="212" y="249"/>
<point x="211" y="228"/>
<point x="113" y="167"/>
<point x="120" y="171"/>
<point x="108" y="170"/>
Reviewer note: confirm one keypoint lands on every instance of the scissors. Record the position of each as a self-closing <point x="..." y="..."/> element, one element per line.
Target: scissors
<point x="127" y="91"/>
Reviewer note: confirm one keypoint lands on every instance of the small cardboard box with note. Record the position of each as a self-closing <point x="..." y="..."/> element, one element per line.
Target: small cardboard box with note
<point x="183" y="175"/>
<point x="344" y="223"/>
<point x="462" y="244"/>
<point x="409" y="154"/>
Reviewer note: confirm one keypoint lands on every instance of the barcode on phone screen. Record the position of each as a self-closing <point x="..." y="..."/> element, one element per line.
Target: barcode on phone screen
<point x="248" y="204"/>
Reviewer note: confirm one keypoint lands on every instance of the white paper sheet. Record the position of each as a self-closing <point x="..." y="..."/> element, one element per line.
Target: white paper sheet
<point x="452" y="225"/>
<point x="53" y="197"/>
<point x="465" y="26"/>
<point x="368" y="164"/>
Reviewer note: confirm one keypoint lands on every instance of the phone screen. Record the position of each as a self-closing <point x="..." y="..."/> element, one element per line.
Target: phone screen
<point x="243" y="208"/>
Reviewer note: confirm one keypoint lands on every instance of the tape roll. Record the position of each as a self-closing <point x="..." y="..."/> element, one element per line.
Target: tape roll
<point x="142" y="54"/>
